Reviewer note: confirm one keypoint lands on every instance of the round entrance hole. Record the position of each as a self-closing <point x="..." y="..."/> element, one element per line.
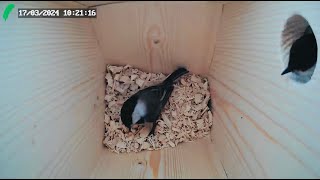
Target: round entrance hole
<point x="299" y="49"/>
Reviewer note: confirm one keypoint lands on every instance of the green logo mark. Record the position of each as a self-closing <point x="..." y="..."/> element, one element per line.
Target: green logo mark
<point x="7" y="11"/>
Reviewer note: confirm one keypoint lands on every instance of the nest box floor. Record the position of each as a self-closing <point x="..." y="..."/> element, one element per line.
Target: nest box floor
<point x="189" y="160"/>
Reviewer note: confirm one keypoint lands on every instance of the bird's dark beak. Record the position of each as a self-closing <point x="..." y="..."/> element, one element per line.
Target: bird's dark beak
<point x="286" y="71"/>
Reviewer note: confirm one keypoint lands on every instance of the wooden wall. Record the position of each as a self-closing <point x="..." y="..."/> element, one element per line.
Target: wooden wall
<point x="266" y="125"/>
<point x="52" y="85"/>
<point x="185" y="161"/>
<point x="51" y="95"/>
<point x="97" y="3"/>
<point x="158" y="36"/>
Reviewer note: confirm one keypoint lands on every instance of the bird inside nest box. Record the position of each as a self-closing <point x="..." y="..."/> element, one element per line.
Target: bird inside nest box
<point x="302" y="57"/>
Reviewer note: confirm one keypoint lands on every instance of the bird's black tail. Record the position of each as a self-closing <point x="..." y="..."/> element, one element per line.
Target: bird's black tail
<point x="175" y="75"/>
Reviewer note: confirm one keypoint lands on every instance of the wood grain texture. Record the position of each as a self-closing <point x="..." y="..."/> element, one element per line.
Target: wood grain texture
<point x="52" y="91"/>
<point x="159" y="36"/>
<point x="188" y="160"/>
<point x="52" y="88"/>
<point x="266" y="126"/>
<point x="97" y="3"/>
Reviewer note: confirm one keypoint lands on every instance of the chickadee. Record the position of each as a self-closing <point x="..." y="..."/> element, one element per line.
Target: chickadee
<point x="303" y="53"/>
<point x="145" y="106"/>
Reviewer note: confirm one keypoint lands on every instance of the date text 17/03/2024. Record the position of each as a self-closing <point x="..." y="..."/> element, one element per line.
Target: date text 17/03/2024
<point x="57" y="13"/>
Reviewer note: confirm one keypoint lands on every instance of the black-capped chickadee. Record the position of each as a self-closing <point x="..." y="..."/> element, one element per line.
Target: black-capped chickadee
<point x="303" y="53"/>
<point x="145" y="106"/>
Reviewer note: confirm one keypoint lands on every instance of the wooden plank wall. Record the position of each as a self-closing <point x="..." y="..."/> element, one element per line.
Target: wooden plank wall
<point x="266" y="126"/>
<point x="51" y="95"/>
<point x="52" y="86"/>
<point x="97" y="3"/>
<point x="128" y="34"/>
<point x="186" y="161"/>
<point x="158" y="36"/>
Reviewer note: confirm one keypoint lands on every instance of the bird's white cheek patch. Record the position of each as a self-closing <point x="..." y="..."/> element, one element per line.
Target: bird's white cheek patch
<point x="139" y="111"/>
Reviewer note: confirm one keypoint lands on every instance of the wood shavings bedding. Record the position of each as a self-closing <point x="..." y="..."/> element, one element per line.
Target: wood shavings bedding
<point x="185" y="118"/>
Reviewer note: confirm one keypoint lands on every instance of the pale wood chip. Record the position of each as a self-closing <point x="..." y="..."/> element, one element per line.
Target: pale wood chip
<point x="127" y="66"/>
<point x="117" y="77"/>
<point x="198" y="98"/>
<point x="143" y="76"/>
<point x="198" y="107"/>
<point x="206" y="109"/>
<point x="206" y="100"/>
<point x="161" y="123"/>
<point x="140" y="140"/>
<point x="188" y="107"/>
<point x="171" y="144"/>
<point x="111" y="104"/>
<point x="174" y="114"/>
<point x="175" y="129"/>
<point x="139" y="82"/>
<point x="188" y="114"/>
<point x="109" y="79"/>
<point x="200" y="123"/>
<point x="183" y="81"/>
<point x="154" y="76"/>
<point x="168" y="136"/>
<point x="130" y="137"/>
<point x="115" y="69"/>
<point x="162" y="138"/>
<point x="106" y="118"/>
<point x="113" y="125"/>
<point x="108" y="97"/>
<point x="166" y="120"/>
<point x="148" y="77"/>
<point x="196" y="79"/>
<point x="133" y="77"/>
<point x="205" y="86"/>
<point x="134" y="87"/>
<point x="145" y="145"/>
<point x="162" y="76"/>
<point x="195" y="116"/>
<point x="125" y="79"/>
<point x="120" y="102"/>
<point x="121" y="144"/>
